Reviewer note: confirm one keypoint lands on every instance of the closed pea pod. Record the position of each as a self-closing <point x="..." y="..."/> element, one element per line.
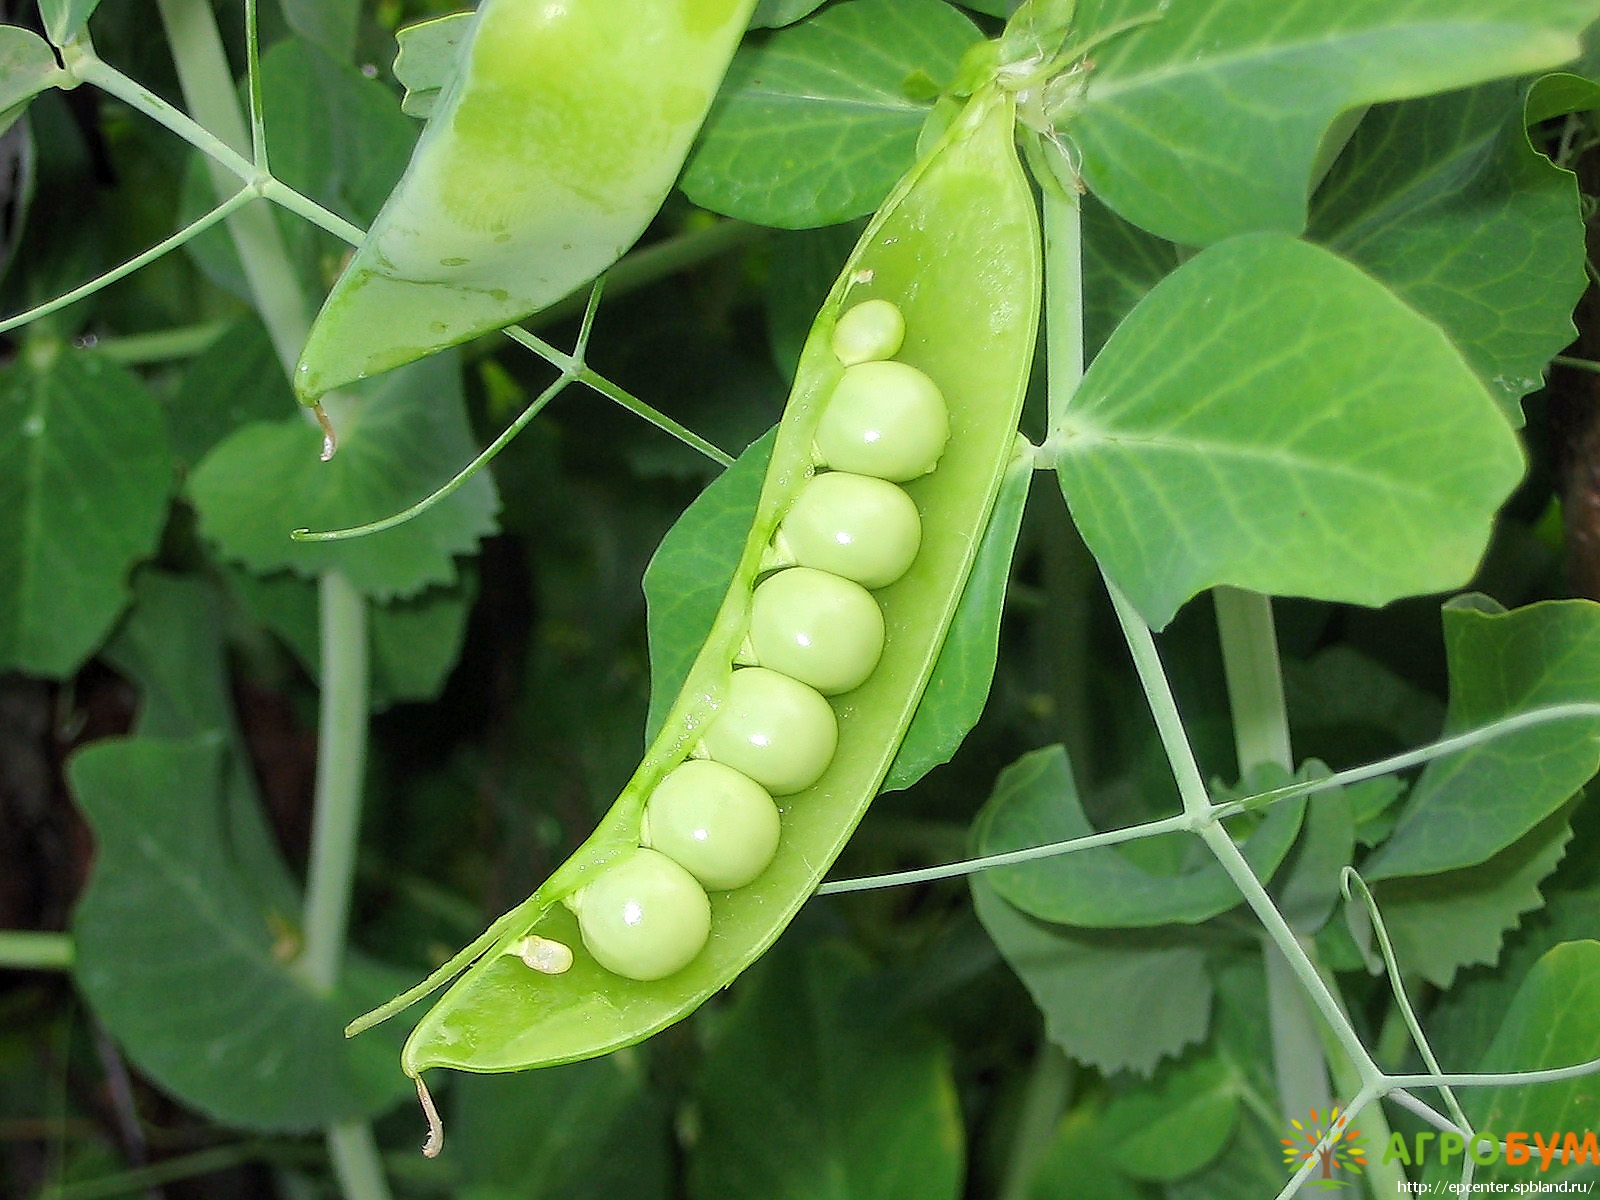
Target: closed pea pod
<point x="955" y="248"/>
<point x="557" y="140"/>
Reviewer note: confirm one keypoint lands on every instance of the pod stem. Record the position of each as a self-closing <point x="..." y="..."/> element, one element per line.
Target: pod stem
<point x="435" y="1143"/>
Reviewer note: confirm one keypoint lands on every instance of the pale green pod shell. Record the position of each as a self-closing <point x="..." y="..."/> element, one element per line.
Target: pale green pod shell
<point x="774" y="729"/>
<point x="717" y="824"/>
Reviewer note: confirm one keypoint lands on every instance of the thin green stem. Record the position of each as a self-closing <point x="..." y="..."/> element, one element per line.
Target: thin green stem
<point x="356" y="1161"/>
<point x="172" y="1170"/>
<point x="1049" y="1090"/>
<point x="660" y="420"/>
<point x="164" y="345"/>
<point x="1063" y="258"/>
<point x="1255" y="678"/>
<point x="341" y="759"/>
<point x="1496" y="1078"/>
<point x="1580" y="364"/>
<point x="30" y="950"/>
<point x="1298" y="1067"/>
<point x="258" y="121"/>
<point x="229" y="206"/>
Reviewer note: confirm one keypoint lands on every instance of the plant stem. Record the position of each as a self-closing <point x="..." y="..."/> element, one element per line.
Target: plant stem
<point x="164" y="345"/>
<point x="30" y="950"/>
<point x="1063" y="281"/>
<point x="1049" y="1089"/>
<point x="1255" y="678"/>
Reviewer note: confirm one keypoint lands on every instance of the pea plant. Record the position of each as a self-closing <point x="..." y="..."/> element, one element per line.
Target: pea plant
<point x="1113" y="506"/>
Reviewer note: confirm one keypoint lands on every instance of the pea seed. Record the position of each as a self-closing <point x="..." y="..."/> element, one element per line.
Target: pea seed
<point x="871" y="330"/>
<point x="774" y="729"/>
<point x="818" y="628"/>
<point x="717" y="824"/>
<point x="886" y="419"/>
<point x="861" y="528"/>
<point x="644" y="917"/>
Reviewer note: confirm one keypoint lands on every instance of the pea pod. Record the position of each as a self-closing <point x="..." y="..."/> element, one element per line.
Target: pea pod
<point x="956" y="249"/>
<point x="561" y="133"/>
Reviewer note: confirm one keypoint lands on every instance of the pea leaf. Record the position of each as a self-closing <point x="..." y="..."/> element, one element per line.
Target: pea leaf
<point x="1181" y="95"/>
<point x="1121" y="263"/>
<point x="802" y="268"/>
<point x="1441" y="923"/>
<point x="585" y="1131"/>
<point x="27" y="67"/>
<point x="770" y="14"/>
<point x="1552" y="1021"/>
<point x="1467" y="806"/>
<point x="1446" y="200"/>
<point x="167" y="926"/>
<point x="85" y="471"/>
<point x="234" y="381"/>
<point x="329" y="24"/>
<point x="813" y="125"/>
<point x="401" y="436"/>
<point x="1268" y="417"/>
<point x="1118" y="1001"/>
<point x="1035" y="802"/>
<point x="1078" y="1163"/>
<point x="1175" y="1124"/>
<point x="65" y="19"/>
<point x="814" y="1076"/>
<point x="427" y="60"/>
<point x="958" y="689"/>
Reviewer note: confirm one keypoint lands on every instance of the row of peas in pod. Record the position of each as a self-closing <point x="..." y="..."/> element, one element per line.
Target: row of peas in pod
<point x="815" y="631"/>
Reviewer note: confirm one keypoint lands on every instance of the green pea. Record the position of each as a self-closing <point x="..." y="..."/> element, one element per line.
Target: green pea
<point x="825" y="631"/>
<point x="774" y="729"/>
<point x="564" y="130"/>
<point x="871" y="330"/>
<point x="645" y="917"/>
<point x="862" y="528"/>
<point x="717" y="824"/>
<point x="956" y="248"/>
<point x="886" y="419"/>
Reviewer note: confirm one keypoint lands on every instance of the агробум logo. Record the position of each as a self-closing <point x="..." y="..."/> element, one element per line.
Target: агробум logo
<point x="1342" y="1153"/>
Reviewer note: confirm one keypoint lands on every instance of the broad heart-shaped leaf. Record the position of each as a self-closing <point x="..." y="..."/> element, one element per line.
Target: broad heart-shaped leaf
<point x="1441" y="923"/>
<point x="814" y="123"/>
<point x="400" y="436"/>
<point x="1552" y="1021"/>
<point x="1178" y="1122"/>
<point x="64" y="19"/>
<point x="235" y="380"/>
<point x="330" y="24"/>
<point x="189" y="972"/>
<point x="85" y="471"/>
<point x="27" y="67"/>
<point x="1122" y="1000"/>
<point x="1445" y="200"/>
<point x="1272" y="418"/>
<point x="816" y="1076"/>
<point x="1470" y="804"/>
<point x="958" y="689"/>
<point x="1226" y="104"/>
<point x="427" y="60"/>
<point x="1036" y="802"/>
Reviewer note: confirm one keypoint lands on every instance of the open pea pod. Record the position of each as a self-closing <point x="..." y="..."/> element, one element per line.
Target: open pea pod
<point x="956" y="248"/>
<point x="553" y="145"/>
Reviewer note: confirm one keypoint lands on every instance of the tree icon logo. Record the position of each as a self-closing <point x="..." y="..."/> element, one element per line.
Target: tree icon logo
<point x="1312" y="1142"/>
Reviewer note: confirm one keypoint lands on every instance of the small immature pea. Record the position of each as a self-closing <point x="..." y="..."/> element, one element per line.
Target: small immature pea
<point x="871" y="330"/>
<point x="545" y="955"/>
<point x="816" y="627"/>
<point x="886" y="419"/>
<point x="856" y="526"/>
<point x="644" y="916"/>
<point x="719" y="825"/>
<point x="774" y="729"/>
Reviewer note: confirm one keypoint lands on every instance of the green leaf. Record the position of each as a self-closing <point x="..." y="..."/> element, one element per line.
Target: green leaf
<point x="1227" y="106"/>
<point x="1447" y="202"/>
<point x="400" y="437"/>
<point x="27" y="67"/>
<point x="1036" y="802"/>
<point x="801" y="271"/>
<point x="1078" y="1163"/>
<point x="958" y="690"/>
<point x="586" y="1131"/>
<point x="85" y="471"/>
<point x="234" y="381"/>
<point x="1552" y="1021"/>
<point x="65" y="19"/>
<point x="1470" y="804"/>
<point x="1270" y="417"/>
<point x="813" y="125"/>
<point x="770" y="14"/>
<point x="1308" y="887"/>
<point x="329" y="24"/>
<point x="1177" y="1123"/>
<point x="1121" y="263"/>
<point x="427" y="60"/>
<point x="1119" y="1001"/>
<point x="815" y="1076"/>
<point x="189" y="973"/>
<point x="1441" y="923"/>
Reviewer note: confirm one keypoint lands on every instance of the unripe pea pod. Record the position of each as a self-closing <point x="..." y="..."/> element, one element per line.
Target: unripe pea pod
<point x="955" y="248"/>
<point x="560" y="135"/>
